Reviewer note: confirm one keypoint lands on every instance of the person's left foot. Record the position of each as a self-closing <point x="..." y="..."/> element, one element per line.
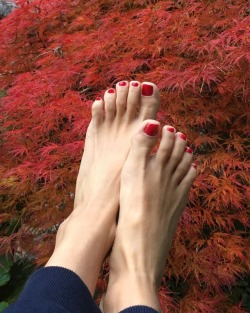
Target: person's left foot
<point x="91" y="226"/>
<point x="154" y="191"/>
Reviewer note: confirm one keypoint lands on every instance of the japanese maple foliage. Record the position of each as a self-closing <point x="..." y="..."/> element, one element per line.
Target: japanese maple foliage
<point x="56" y="56"/>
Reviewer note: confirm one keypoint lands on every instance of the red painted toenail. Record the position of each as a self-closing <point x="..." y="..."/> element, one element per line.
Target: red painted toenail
<point x="122" y="83"/>
<point x="194" y="165"/>
<point x="147" y="90"/>
<point x="111" y="90"/>
<point x="189" y="150"/>
<point x="182" y="136"/>
<point x="171" y="129"/>
<point x="134" y="84"/>
<point x="98" y="98"/>
<point x="151" y="129"/>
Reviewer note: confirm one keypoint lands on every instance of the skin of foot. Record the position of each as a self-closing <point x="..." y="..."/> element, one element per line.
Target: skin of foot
<point x="86" y="236"/>
<point x="153" y="194"/>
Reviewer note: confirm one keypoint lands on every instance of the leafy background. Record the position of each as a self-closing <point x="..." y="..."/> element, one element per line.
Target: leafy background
<point x="55" y="57"/>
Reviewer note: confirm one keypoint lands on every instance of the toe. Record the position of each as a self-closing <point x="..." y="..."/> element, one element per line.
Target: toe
<point x="188" y="180"/>
<point x="143" y="142"/>
<point x="97" y="111"/>
<point x="150" y="101"/>
<point x="166" y="144"/>
<point x="180" y="142"/>
<point x="121" y="97"/>
<point x="184" y="165"/>
<point x="134" y="95"/>
<point x="109" y="104"/>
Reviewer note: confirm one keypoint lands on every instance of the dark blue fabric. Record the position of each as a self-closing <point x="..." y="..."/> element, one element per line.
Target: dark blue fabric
<point x="139" y="309"/>
<point x="59" y="290"/>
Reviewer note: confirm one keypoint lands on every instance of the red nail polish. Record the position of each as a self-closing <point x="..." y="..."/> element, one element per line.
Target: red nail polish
<point x="98" y="98"/>
<point x="182" y="136"/>
<point x="111" y="90"/>
<point x="194" y="165"/>
<point x="147" y="90"/>
<point x="134" y="84"/>
<point x="151" y="129"/>
<point x="171" y="129"/>
<point x="122" y="84"/>
<point x="189" y="150"/>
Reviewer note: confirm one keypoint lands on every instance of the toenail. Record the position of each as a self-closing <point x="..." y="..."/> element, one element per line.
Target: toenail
<point x="171" y="129"/>
<point x="135" y="84"/>
<point x="194" y="165"/>
<point x="111" y="90"/>
<point x="98" y="98"/>
<point x="151" y="129"/>
<point x="189" y="150"/>
<point x="147" y="90"/>
<point x="122" y="83"/>
<point x="182" y="136"/>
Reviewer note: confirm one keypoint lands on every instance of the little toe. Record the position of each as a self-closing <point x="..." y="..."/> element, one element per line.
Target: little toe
<point x="180" y="143"/>
<point x="109" y="104"/>
<point x="184" y="165"/>
<point x="134" y="95"/>
<point x="166" y="144"/>
<point x="97" y="111"/>
<point x="150" y="101"/>
<point x="121" y="97"/>
<point x="143" y="143"/>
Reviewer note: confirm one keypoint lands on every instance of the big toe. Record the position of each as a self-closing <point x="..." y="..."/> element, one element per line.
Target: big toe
<point x="150" y="101"/>
<point x="143" y="143"/>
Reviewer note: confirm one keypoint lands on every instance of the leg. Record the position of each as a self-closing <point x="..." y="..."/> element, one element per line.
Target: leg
<point x="154" y="192"/>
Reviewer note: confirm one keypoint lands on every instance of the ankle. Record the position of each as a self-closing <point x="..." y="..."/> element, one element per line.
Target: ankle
<point x="76" y="241"/>
<point x="130" y="290"/>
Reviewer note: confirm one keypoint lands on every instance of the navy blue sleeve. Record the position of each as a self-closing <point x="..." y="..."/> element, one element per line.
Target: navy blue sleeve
<point x="139" y="309"/>
<point x="59" y="290"/>
<point x="56" y="290"/>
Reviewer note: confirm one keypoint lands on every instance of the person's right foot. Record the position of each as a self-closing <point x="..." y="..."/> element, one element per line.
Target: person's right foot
<point x="154" y="192"/>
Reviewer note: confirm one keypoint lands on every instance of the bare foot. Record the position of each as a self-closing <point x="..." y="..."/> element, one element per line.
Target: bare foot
<point x="91" y="226"/>
<point x="154" y="192"/>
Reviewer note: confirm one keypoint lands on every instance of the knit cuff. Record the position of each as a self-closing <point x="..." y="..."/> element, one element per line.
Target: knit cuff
<point x="61" y="286"/>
